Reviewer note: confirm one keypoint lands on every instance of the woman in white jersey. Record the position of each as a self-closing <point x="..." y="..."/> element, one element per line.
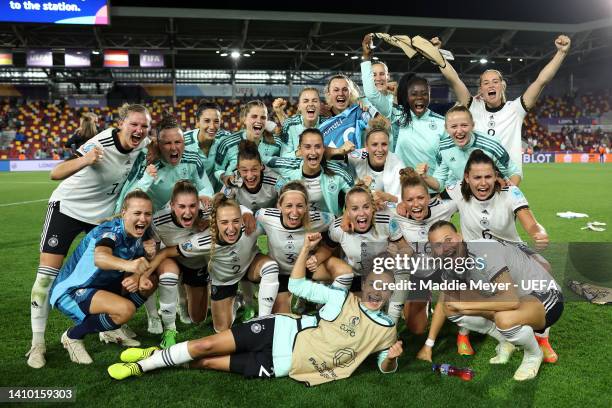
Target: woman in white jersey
<point x="233" y="256"/>
<point x="493" y="114"/>
<point x="489" y="211"/>
<point x="286" y="227"/>
<point x="93" y="180"/>
<point x="376" y="165"/>
<point x="172" y="225"/>
<point x="421" y="212"/>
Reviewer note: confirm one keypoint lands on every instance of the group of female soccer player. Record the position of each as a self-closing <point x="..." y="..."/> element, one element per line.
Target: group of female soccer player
<point x="174" y="217"/>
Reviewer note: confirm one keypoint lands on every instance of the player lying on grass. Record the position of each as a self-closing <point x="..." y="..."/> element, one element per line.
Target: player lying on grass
<point x="310" y="349"/>
<point x="507" y="295"/>
<point x="93" y="288"/>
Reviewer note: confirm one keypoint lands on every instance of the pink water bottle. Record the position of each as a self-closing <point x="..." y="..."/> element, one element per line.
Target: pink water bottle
<point x="466" y="374"/>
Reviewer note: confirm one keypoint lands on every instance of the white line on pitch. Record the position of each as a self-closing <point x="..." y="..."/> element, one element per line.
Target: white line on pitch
<point x="24" y="202"/>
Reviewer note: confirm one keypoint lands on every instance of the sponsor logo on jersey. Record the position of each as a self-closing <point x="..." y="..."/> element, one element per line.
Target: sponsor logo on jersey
<point x="344" y="357"/>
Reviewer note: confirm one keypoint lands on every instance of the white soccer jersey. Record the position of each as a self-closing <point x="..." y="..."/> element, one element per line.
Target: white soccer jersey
<point x="315" y="195"/>
<point x="493" y="218"/>
<point x="285" y="243"/>
<point x="387" y="180"/>
<point x="230" y="262"/>
<point x="265" y="196"/>
<point x="415" y="231"/>
<point x="170" y="233"/>
<point x="528" y="275"/>
<point x="360" y="248"/>
<point x="90" y="194"/>
<point x="504" y="123"/>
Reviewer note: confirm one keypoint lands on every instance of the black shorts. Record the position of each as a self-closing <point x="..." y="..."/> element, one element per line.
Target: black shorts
<point x="195" y="277"/>
<point x="553" y="305"/>
<point x="283" y="281"/>
<point x="253" y="355"/>
<point x="220" y="292"/>
<point x="356" y="285"/>
<point x="59" y="230"/>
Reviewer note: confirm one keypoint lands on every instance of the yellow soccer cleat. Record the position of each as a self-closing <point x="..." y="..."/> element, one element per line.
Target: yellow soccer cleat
<point x="121" y="371"/>
<point x="133" y="355"/>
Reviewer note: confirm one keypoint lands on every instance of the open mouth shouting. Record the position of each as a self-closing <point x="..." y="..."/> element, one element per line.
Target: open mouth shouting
<point x="482" y="192"/>
<point x="140" y="228"/>
<point x="491" y="95"/>
<point x="341" y="102"/>
<point x="294" y="220"/>
<point x="258" y="128"/>
<point x="251" y="181"/>
<point x="186" y="220"/>
<point x="231" y="235"/>
<point x="361" y="223"/>
<point x="174" y="158"/>
<point x="135" y="139"/>
<point x="417" y="213"/>
<point x="461" y="138"/>
<point x="313" y="160"/>
<point x="419" y="108"/>
<point x="311" y="112"/>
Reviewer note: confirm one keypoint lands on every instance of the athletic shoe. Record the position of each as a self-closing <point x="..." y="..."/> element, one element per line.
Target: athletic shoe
<point x="133" y="355"/>
<point x="529" y="367"/>
<point x="183" y="314"/>
<point x="168" y="338"/>
<point x="248" y="313"/>
<point x="503" y="353"/>
<point x="127" y="330"/>
<point x="550" y="356"/>
<point x="119" y="337"/>
<point x="121" y="371"/>
<point x="154" y="325"/>
<point x="36" y="356"/>
<point x="464" y="347"/>
<point x="76" y="349"/>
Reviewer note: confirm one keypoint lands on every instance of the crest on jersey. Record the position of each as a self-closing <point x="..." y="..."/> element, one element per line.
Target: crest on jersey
<point x="432" y="125"/>
<point x="491" y="124"/>
<point x="484" y="223"/>
<point x="289" y="246"/>
<point x="422" y="233"/>
<point x="187" y="246"/>
<point x="332" y="187"/>
<point x="256" y="328"/>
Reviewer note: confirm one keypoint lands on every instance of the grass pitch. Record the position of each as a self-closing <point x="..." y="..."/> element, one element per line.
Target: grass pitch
<point x="580" y="378"/>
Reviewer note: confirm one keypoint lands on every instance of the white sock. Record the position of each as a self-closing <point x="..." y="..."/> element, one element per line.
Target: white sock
<point x="151" y="306"/>
<point x="343" y="281"/>
<point x="172" y="356"/>
<point x="543" y="335"/>
<point x="268" y="287"/>
<point x="39" y="302"/>
<point x="478" y="324"/>
<point x="168" y="293"/>
<point x="463" y="331"/>
<point x="522" y="335"/>
<point x="398" y="298"/>
<point x="395" y="310"/>
<point x="248" y="292"/>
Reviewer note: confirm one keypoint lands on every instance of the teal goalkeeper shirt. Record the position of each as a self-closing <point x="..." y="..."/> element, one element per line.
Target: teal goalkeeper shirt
<point x="451" y="159"/>
<point x="226" y="157"/>
<point x="419" y="142"/>
<point x="192" y="144"/>
<point x="286" y="328"/>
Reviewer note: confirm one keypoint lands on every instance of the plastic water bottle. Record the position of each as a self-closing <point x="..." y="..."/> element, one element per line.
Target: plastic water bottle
<point x="466" y="374"/>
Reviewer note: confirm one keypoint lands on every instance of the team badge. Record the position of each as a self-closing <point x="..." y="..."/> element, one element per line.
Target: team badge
<point x="332" y="187"/>
<point x="289" y="247"/>
<point x="422" y="233"/>
<point x="256" y="328"/>
<point x="53" y="242"/>
<point x="187" y="246"/>
<point x="491" y="124"/>
<point x="484" y="223"/>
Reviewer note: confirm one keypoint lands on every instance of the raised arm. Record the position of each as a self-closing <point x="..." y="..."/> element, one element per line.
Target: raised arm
<point x="373" y="95"/>
<point x="448" y="72"/>
<point x="547" y="73"/>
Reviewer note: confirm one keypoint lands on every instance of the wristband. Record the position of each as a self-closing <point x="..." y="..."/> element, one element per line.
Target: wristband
<point x="429" y="342"/>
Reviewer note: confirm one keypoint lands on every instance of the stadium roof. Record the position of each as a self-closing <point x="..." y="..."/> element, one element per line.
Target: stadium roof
<point x="325" y="39"/>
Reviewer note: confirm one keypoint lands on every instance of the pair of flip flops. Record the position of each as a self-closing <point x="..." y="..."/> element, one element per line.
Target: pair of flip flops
<point x="414" y="45"/>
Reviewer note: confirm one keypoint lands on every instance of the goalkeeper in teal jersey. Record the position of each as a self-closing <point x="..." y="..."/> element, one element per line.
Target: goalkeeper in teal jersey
<point x="254" y="116"/>
<point x="174" y="164"/>
<point x="456" y="148"/>
<point x="205" y="139"/>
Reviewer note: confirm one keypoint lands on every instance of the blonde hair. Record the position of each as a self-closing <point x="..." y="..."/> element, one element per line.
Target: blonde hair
<point x="410" y="178"/>
<point x="501" y="78"/>
<point x="378" y="123"/>
<point x="353" y="89"/>
<point x="296" y="186"/>
<point x="88" y="127"/>
<point x="361" y="187"/>
<point x="458" y="108"/>
<point x="244" y="111"/>
<point x="126" y="109"/>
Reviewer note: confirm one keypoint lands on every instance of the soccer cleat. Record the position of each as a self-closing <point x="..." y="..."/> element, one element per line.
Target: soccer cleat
<point x="529" y="367"/>
<point x="464" y="347"/>
<point x="503" y="353"/>
<point x="550" y="356"/>
<point x="36" y="356"/>
<point x="154" y="325"/>
<point x="119" y="337"/>
<point x="76" y="349"/>
<point x="121" y="371"/>
<point x="168" y="338"/>
<point x="127" y="330"/>
<point x="248" y="313"/>
<point x="133" y="355"/>
<point x="184" y="314"/>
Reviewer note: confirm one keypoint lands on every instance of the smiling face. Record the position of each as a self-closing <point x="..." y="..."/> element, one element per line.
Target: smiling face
<point x="229" y="223"/>
<point x="418" y="98"/>
<point x="185" y="208"/>
<point x="312" y="150"/>
<point x="339" y="94"/>
<point x="360" y="210"/>
<point x="250" y="171"/>
<point x="255" y="122"/>
<point x="481" y="179"/>
<point x="491" y="88"/>
<point x="171" y="145"/>
<point x="378" y="148"/>
<point x="381" y="76"/>
<point x="416" y="199"/>
<point x="137" y="216"/>
<point x="209" y="124"/>
<point x="446" y="242"/>
<point x="133" y="129"/>
<point x="459" y="126"/>
<point x="293" y="209"/>
<point x="309" y="106"/>
<point x="374" y="290"/>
